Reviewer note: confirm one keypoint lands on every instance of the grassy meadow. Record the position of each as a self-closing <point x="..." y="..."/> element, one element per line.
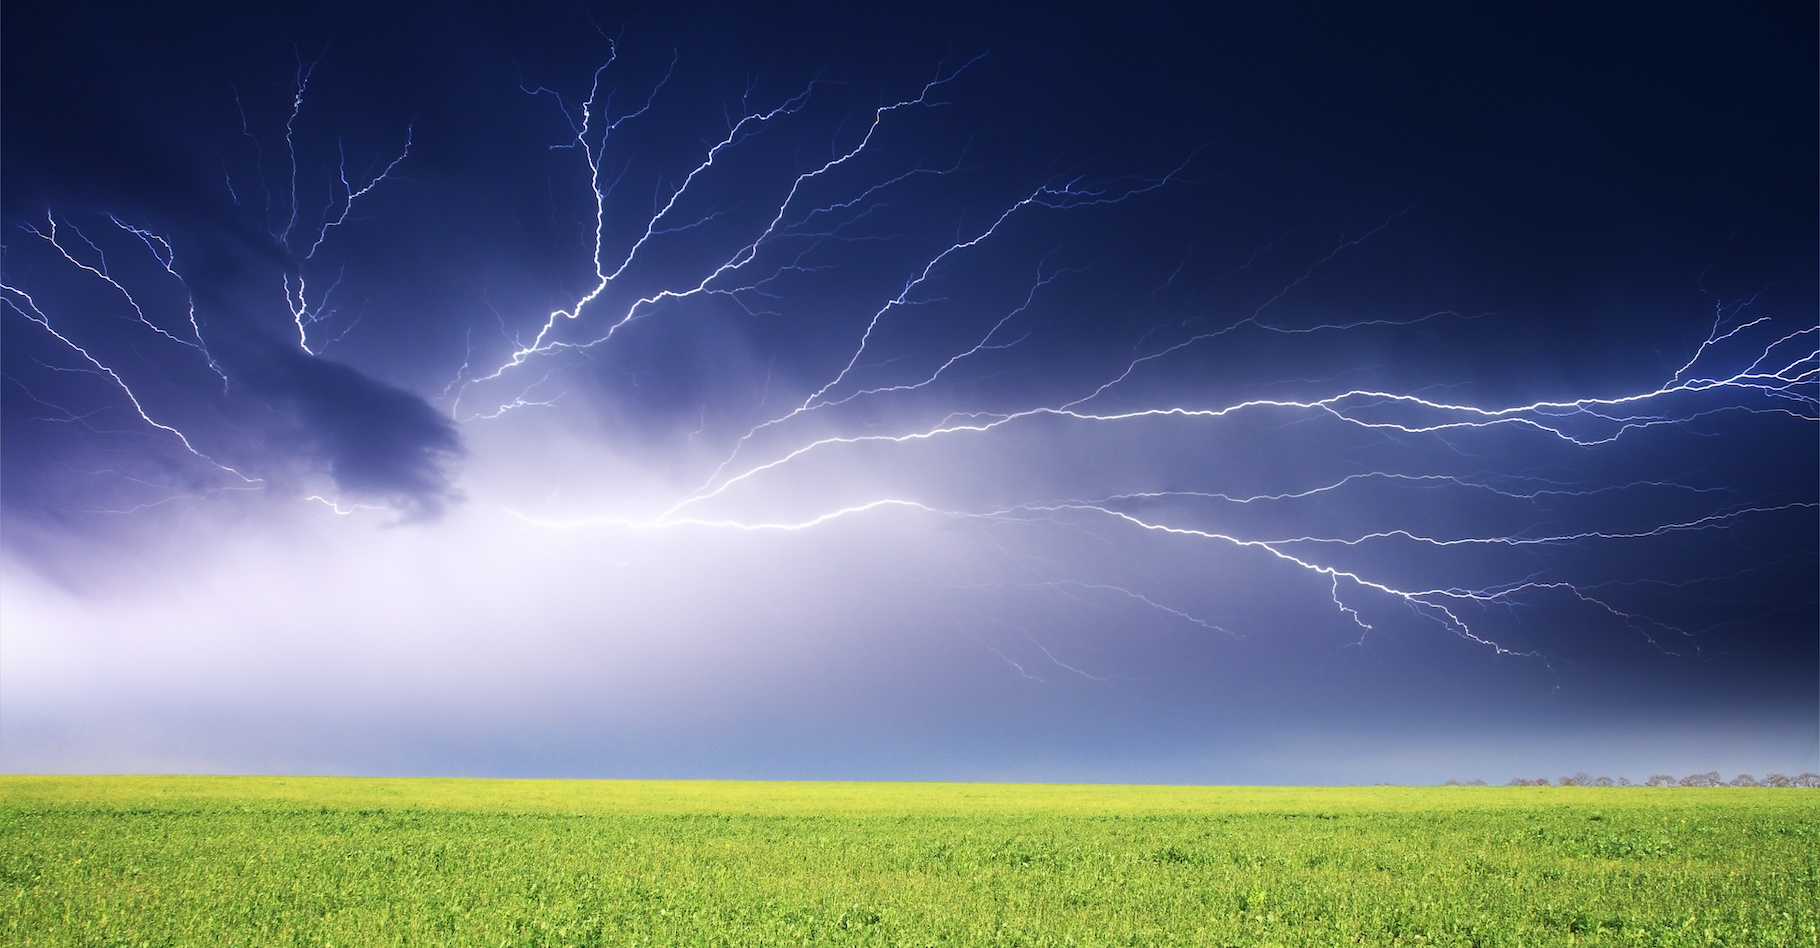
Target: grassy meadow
<point x="255" y="861"/>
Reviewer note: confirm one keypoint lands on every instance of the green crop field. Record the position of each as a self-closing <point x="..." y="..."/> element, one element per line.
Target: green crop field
<point x="328" y="861"/>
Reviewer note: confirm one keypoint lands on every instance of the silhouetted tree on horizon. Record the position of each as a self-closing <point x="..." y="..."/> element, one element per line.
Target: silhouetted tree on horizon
<point x="1710" y="778"/>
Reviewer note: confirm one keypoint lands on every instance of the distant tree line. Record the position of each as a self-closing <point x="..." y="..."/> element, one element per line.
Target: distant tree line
<point x="1709" y="779"/>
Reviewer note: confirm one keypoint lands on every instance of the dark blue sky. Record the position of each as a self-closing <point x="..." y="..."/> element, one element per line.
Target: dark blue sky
<point x="1278" y="392"/>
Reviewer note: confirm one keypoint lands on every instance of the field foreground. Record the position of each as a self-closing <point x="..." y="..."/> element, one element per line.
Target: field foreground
<point x="345" y="861"/>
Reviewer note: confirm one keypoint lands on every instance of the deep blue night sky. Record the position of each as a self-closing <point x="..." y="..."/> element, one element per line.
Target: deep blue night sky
<point x="1273" y="393"/>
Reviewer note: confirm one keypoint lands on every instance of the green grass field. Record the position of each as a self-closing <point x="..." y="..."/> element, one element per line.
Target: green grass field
<point x="328" y="861"/>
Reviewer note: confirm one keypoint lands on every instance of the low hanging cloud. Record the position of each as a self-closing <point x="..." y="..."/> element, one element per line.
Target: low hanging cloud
<point x="375" y="441"/>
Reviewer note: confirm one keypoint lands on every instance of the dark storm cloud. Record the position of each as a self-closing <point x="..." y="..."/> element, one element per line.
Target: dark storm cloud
<point x="126" y="116"/>
<point x="376" y="441"/>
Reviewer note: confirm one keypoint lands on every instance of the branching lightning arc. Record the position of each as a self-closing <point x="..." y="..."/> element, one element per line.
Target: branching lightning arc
<point x="870" y="396"/>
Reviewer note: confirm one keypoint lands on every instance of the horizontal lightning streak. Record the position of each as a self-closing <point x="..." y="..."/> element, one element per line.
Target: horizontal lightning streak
<point x="1777" y="378"/>
<point x="1783" y="381"/>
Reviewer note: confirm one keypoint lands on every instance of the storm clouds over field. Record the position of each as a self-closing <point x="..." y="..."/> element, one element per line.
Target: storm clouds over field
<point x="1283" y="394"/>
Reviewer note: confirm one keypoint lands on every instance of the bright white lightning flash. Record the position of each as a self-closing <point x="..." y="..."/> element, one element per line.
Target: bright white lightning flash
<point x="304" y="313"/>
<point x="1776" y="374"/>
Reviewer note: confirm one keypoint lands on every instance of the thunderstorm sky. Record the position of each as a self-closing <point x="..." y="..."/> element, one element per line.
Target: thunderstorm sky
<point x="1275" y="393"/>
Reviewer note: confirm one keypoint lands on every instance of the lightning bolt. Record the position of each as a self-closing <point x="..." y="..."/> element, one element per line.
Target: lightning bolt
<point x="721" y="279"/>
<point x="21" y="302"/>
<point x="1775" y="376"/>
<point x="306" y="312"/>
<point x="1746" y="364"/>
